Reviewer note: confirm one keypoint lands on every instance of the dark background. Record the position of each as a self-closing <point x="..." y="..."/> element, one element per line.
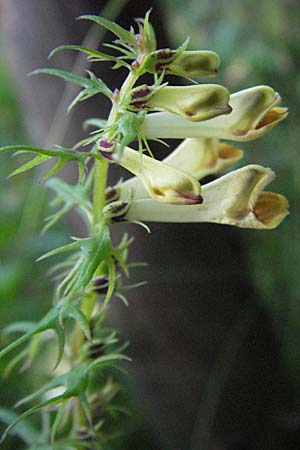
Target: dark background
<point x="215" y="333"/>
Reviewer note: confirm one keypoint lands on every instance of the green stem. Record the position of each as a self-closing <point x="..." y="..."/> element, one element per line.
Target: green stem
<point x="101" y="165"/>
<point x="100" y="180"/>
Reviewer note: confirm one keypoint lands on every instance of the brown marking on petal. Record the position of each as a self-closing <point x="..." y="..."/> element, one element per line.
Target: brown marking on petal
<point x="110" y="193"/>
<point x="191" y="199"/>
<point x="227" y="151"/>
<point x="272" y="116"/>
<point x="139" y="104"/>
<point x="189" y="113"/>
<point x="270" y="209"/>
<point x="165" y="54"/>
<point x="240" y="132"/>
<point x="157" y="191"/>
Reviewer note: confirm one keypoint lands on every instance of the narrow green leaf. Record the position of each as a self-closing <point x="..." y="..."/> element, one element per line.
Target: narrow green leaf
<point x="108" y="359"/>
<point x="81" y="319"/>
<point x="73" y="194"/>
<point x="69" y="280"/>
<point x="94" y="83"/>
<point x="30" y="411"/>
<point x="111" y="278"/>
<point x="21" y="340"/>
<point x="58" y="165"/>
<point x="54" y="218"/>
<point x="95" y="250"/>
<point x="57" y="421"/>
<point x="58" y="152"/>
<point x="25" y="431"/>
<point x="61" y="343"/>
<point x="116" y="29"/>
<point x="93" y="54"/>
<point x="14" y="362"/>
<point x="29" y="165"/>
<point x="54" y="383"/>
<point x="95" y="122"/>
<point x="127" y="54"/>
<point x="19" y="327"/>
<point x="82" y="96"/>
<point x="62" y="249"/>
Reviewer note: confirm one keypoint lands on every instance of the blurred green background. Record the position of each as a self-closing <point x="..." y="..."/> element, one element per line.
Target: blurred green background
<point x="259" y="43"/>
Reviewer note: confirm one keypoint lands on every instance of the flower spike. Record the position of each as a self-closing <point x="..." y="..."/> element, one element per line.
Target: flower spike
<point x="234" y="199"/>
<point x="254" y="113"/>
<point x="185" y="64"/>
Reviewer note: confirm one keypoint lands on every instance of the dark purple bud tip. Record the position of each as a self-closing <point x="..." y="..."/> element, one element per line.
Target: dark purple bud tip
<point x="106" y="148"/>
<point x="111" y="194"/>
<point x="116" y="94"/>
<point x="140" y="92"/>
<point x="135" y="64"/>
<point x="165" y="54"/>
<point x="139" y="104"/>
<point x="84" y="434"/>
<point x="96" y="349"/>
<point x="100" y="284"/>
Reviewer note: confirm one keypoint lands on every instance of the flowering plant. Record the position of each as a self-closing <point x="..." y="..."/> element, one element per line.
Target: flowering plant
<point x="81" y="408"/>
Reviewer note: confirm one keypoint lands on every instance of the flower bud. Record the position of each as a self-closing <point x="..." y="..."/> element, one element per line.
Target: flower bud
<point x="96" y="349"/>
<point x="234" y="199"/>
<point x="183" y="63"/>
<point x="112" y="193"/>
<point x="115" y="211"/>
<point x="146" y="39"/>
<point x="254" y="113"/>
<point x="100" y="284"/>
<point x="106" y="148"/>
<point x="194" y="103"/>
<point x="202" y="157"/>
<point x="163" y="183"/>
<point x="198" y="157"/>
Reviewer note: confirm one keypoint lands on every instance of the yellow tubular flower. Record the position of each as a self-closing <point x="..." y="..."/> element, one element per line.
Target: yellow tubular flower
<point x="162" y="182"/>
<point x="234" y="199"/>
<point x="198" y="157"/>
<point x="254" y="113"/>
<point x="194" y="103"/>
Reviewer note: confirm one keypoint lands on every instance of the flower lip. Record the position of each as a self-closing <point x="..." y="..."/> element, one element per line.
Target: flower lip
<point x="227" y="151"/>
<point x="272" y="116"/>
<point x="236" y="199"/>
<point x="254" y="113"/>
<point x="269" y="117"/>
<point x="270" y="209"/>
